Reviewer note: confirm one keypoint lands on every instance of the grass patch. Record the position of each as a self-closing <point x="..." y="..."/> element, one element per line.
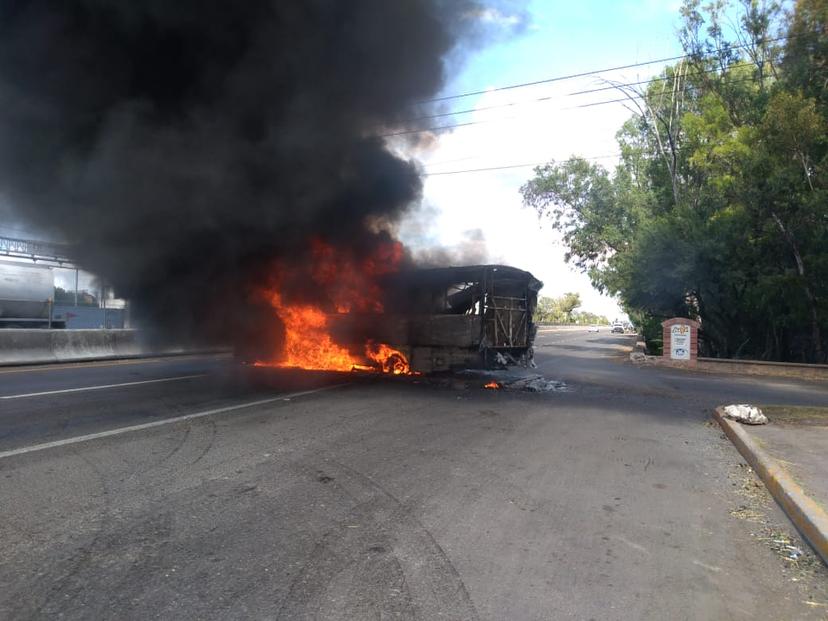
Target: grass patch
<point x="796" y="414"/>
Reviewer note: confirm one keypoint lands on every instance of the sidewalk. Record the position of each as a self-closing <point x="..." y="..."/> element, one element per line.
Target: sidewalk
<point x="790" y="454"/>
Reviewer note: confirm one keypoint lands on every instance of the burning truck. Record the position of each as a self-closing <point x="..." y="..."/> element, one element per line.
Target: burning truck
<point x="454" y="317"/>
<point x="406" y="322"/>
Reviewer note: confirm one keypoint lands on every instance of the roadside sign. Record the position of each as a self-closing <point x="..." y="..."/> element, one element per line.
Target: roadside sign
<point x="680" y="341"/>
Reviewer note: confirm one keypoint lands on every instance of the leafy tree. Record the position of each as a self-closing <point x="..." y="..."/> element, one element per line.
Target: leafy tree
<point x="557" y="310"/>
<point x="806" y="50"/>
<point x="568" y="303"/>
<point x="587" y="318"/>
<point x="716" y="209"/>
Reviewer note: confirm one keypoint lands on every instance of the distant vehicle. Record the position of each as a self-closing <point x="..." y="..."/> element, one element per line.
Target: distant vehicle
<point x="593" y="329"/>
<point x="26" y="293"/>
<point x="617" y="328"/>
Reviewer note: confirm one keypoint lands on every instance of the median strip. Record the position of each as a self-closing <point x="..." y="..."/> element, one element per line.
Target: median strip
<point x="160" y="423"/>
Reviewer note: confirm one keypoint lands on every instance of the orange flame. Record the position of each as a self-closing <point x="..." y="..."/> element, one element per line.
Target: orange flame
<point x="493" y="385"/>
<point x="390" y="360"/>
<point x="351" y="287"/>
<point x="308" y="345"/>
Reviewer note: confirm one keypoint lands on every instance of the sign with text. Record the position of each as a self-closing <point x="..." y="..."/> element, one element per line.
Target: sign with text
<point x="680" y="341"/>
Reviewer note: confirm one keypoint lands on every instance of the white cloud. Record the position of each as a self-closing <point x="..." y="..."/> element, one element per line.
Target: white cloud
<point x="527" y="133"/>
<point x="491" y="15"/>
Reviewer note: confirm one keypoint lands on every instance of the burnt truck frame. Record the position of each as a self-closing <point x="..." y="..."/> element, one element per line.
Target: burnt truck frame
<point x="453" y="317"/>
<point x="440" y="319"/>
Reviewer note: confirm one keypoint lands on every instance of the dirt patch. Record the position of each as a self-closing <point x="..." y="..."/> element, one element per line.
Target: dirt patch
<point x="800" y="563"/>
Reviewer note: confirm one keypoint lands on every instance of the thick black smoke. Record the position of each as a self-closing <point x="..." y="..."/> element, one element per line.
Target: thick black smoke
<point x="182" y="145"/>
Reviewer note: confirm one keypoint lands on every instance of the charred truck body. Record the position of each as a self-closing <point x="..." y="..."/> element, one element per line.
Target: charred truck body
<point x="472" y="316"/>
<point x="446" y="318"/>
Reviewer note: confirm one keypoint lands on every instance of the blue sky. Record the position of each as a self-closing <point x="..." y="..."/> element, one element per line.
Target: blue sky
<point x="571" y="37"/>
<point x="562" y="38"/>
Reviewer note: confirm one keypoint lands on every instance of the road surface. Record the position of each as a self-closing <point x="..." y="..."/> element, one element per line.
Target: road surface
<point x="191" y="488"/>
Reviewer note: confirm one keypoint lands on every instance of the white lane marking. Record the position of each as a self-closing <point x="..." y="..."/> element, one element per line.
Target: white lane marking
<point x="632" y="544"/>
<point x="81" y="364"/>
<point x="101" y="387"/>
<point x="159" y="423"/>
<point x="712" y="568"/>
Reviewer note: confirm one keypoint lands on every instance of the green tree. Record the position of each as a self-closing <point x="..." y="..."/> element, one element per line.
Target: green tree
<point x="587" y="318"/>
<point x="568" y="303"/>
<point x="716" y="209"/>
<point x="557" y="310"/>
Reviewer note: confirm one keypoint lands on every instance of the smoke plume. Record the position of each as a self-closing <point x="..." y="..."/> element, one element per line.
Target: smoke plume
<point x="181" y="146"/>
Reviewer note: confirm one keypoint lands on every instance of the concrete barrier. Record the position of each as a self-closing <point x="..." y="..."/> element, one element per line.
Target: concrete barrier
<point x="24" y="346"/>
<point x="19" y="347"/>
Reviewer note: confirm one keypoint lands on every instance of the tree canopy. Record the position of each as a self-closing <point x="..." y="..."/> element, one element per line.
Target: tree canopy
<point x="562" y="309"/>
<point x="717" y="209"/>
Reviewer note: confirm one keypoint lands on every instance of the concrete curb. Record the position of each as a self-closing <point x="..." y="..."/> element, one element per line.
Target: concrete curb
<point x="809" y="518"/>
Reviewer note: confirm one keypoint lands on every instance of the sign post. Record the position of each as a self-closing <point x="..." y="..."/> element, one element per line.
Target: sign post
<point x="681" y="340"/>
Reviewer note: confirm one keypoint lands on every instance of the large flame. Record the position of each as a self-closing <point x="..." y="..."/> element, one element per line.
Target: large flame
<point x="308" y="345"/>
<point x="351" y="287"/>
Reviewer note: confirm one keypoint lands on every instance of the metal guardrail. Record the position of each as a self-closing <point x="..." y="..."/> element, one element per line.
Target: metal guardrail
<point x="36" y="251"/>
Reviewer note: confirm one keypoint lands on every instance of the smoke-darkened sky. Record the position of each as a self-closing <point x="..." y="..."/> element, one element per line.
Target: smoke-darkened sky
<point x="182" y="145"/>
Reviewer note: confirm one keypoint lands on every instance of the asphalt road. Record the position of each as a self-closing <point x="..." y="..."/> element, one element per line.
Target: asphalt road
<point x="192" y="488"/>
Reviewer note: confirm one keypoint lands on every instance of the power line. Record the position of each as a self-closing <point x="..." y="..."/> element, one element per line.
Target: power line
<point x="582" y="74"/>
<point x="546" y="98"/>
<point x="510" y="166"/>
<point x="474" y="170"/>
<point x="561" y="78"/>
<point x="436" y="128"/>
<point x="513" y="118"/>
<point x="527" y="165"/>
<point x="441" y="127"/>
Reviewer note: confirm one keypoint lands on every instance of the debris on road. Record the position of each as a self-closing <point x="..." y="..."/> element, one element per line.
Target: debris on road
<point x="529" y="383"/>
<point x="639" y="357"/>
<point x="800" y="563"/>
<point x="744" y="413"/>
<point x="536" y="383"/>
<point x="793" y="552"/>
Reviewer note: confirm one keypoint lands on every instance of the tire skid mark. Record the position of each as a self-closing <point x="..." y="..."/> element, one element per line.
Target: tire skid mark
<point x="430" y="584"/>
<point x="182" y="441"/>
<point x="131" y="546"/>
<point x="444" y="557"/>
<point x="58" y="585"/>
<point x="210" y="442"/>
<point x="159" y="464"/>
